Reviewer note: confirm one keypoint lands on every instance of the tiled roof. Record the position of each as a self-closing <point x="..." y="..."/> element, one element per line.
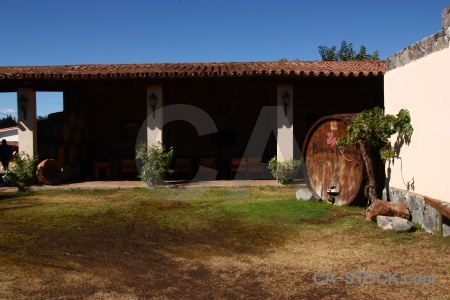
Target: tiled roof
<point x="226" y="69"/>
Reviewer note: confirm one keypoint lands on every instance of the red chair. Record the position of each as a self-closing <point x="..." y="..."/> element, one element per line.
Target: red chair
<point x="183" y="165"/>
<point x="238" y="165"/>
<point x="254" y="166"/>
<point x="101" y="165"/>
<point x="128" y="166"/>
<point x="209" y="170"/>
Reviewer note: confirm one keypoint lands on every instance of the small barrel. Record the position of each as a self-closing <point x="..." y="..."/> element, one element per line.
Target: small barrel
<point x="49" y="172"/>
<point x="333" y="174"/>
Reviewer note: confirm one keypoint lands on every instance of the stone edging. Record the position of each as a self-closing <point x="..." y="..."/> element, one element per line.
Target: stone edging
<point x="431" y="214"/>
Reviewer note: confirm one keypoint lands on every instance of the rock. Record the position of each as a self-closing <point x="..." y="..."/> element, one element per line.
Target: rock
<point x="384" y="208"/>
<point x="394" y="223"/>
<point x="426" y="223"/>
<point x="395" y="196"/>
<point x="431" y="212"/>
<point x="415" y="205"/>
<point x="303" y="194"/>
<point x="417" y="217"/>
<point x="446" y="17"/>
<point x="445" y="230"/>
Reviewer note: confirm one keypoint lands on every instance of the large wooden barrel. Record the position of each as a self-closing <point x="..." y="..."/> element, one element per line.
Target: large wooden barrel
<point x="58" y="115"/>
<point x="72" y="118"/>
<point x="86" y="133"/>
<point x="72" y="155"/>
<point x="61" y="130"/>
<point x="333" y="174"/>
<point x="64" y="137"/>
<point x="80" y="122"/>
<point x="53" y="130"/>
<point x="61" y="157"/>
<point x="52" y="150"/>
<point x="44" y="131"/>
<point x="76" y="136"/>
<point x="47" y="150"/>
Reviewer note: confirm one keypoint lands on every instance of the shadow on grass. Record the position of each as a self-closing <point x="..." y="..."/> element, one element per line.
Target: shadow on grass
<point x="136" y="245"/>
<point x="16" y="200"/>
<point x="15" y="195"/>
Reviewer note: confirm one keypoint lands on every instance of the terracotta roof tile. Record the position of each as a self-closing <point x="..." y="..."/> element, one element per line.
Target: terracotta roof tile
<point x="301" y="68"/>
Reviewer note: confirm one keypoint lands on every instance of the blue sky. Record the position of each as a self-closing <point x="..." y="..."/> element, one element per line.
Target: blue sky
<point x="64" y="32"/>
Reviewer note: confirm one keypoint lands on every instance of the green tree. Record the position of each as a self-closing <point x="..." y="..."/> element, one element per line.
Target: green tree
<point x="8" y="121"/>
<point x="284" y="59"/>
<point x="346" y="53"/>
<point x="372" y="130"/>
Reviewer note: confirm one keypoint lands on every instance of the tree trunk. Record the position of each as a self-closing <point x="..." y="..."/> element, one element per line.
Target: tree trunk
<point x="370" y="189"/>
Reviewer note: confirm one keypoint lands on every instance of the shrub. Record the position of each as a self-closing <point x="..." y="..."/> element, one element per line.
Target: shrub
<point x="284" y="171"/>
<point x="371" y="130"/>
<point x="22" y="171"/>
<point x="155" y="161"/>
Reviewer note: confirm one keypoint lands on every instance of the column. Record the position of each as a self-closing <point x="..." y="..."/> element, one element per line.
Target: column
<point x="27" y="120"/>
<point x="154" y="114"/>
<point x="285" y="134"/>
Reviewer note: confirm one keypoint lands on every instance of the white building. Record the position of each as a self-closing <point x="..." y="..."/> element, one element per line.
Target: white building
<point x="10" y="134"/>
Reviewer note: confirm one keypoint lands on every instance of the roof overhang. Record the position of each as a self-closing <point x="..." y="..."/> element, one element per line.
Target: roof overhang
<point x="178" y="70"/>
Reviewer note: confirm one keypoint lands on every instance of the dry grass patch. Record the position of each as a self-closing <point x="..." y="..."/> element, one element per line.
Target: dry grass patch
<point x="222" y="243"/>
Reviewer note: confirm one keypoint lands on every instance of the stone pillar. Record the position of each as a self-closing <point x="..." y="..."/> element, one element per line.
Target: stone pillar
<point x="285" y="134"/>
<point x="27" y="122"/>
<point x="154" y="118"/>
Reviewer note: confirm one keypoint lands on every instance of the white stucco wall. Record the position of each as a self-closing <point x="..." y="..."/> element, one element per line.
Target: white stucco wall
<point x="422" y="87"/>
<point x="154" y="118"/>
<point x="285" y="134"/>
<point x="27" y="126"/>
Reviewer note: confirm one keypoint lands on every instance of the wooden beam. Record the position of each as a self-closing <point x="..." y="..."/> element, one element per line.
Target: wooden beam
<point x="437" y="205"/>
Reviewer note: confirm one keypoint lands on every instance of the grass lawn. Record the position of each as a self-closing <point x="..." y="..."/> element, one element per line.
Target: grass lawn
<point x="206" y="243"/>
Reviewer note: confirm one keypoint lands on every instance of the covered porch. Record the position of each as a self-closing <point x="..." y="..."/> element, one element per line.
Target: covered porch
<point x="258" y="110"/>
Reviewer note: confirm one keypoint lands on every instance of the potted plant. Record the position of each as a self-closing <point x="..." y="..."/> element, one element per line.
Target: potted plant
<point x="284" y="171"/>
<point x="155" y="161"/>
